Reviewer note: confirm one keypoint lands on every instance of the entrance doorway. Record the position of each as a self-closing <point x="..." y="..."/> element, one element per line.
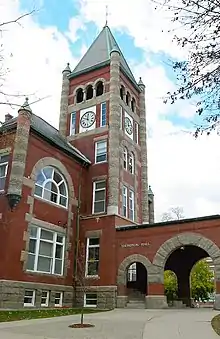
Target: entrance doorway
<point x="136" y="280"/>
<point x="181" y="262"/>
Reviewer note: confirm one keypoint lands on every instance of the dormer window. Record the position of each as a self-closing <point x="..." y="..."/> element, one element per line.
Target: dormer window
<point x="99" y="88"/>
<point x="89" y="92"/>
<point x="79" y="95"/>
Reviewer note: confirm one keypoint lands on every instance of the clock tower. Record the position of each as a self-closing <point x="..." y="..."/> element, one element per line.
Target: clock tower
<point x="102" y="113"/>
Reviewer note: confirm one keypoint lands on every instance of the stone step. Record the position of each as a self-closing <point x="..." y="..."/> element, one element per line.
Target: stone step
<point x="136" y="305"/>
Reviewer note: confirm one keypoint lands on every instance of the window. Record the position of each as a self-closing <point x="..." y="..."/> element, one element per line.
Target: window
<point x="50" y="185"/>
<point x="122" y="92"/>
<point x="3" y="170"/>
<point x="90" y="300"/>
<point x="100" y="151"/>
<point x="131" y="205"/>
<point x="79" y="95"/>
<point x="58" y="300"/>
<point x="128" y="98"/>
<point x="124" y="200"/>
<point x="46" y="251"/>
<point x="136" y="126"/>
<point x="132" y="272"/>
<point x="99" y="89"/>
<point x="125" y="158"/>
<point x="99" y="196"/>
<point x="45" y="298"/>
<point x="133" y="104"/>
<point x="89" y="92"/>
<point x="131" y="163"/>
<point x="121" y="118"/>
<point x="103" y="118"/>
<point x="73" y="123"/>
<point x="29" y="298"/>
<point x="92" y="257"/>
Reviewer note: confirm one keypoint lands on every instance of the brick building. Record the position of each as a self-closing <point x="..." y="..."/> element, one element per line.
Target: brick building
<point x="88" y="181"/>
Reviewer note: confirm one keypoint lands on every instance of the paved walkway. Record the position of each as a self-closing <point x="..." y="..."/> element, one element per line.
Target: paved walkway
<point x="119" y="324"/>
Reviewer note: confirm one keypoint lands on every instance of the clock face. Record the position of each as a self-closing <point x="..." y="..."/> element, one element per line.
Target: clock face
<point x="88" y="119"/>
<point x="128" y="126"/>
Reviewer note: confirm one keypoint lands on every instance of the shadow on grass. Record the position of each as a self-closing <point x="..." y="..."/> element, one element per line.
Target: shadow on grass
<point x="216" y="324"/>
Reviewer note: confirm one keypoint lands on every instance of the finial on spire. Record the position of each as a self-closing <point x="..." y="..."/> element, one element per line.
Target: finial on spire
<point x="67" y="68"/>
<point x="106" y="15"/>
<point x="25" y="106"/>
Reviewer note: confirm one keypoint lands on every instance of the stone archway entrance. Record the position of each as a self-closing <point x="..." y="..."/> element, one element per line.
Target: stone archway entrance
<point x="132" y="278"/>
<point x="165" y="259"/>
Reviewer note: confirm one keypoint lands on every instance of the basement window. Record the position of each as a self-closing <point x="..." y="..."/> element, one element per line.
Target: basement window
<point x="29" y="298"/>
<point x="90" y="300"/>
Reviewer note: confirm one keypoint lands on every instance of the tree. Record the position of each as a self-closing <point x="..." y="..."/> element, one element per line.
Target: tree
<point x="174" y="213"/>
<point x="170" y="285"/>
<point x="199" y="76"/>
<point x="202" y="281"/>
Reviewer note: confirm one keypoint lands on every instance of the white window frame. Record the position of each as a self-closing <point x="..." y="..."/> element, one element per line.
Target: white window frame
<point x="103" y="151"/>
<point x="32" y="303"/>
<point x="131" y="162"/>
<point x="132" y="272"/>
<point x="103" y="113"/>
<point x="88" y="246"/>
<point x="125" y="201"/>
<point x="94" y="193"/>
<point x="136" y="132"/>
<point x="125" y="158"/>
<point x="60" y="304"/>
<point x="131" y="204"/>
<point x="95" y="299"/>
<point x="4" y="164"/>
<point x="54" y="243"/>
<point x="72" y="126"/>
<point x="46" y="304"/>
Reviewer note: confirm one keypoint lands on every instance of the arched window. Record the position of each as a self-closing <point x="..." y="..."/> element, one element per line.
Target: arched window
<point x="128" y="98"/>
<point x="131" y="163"/>
<point x="122" y="92"/>
<point x="79" y="95"/>
<point x="133" y="104"/>
<point x="50" y="185"/>
<point x="99" y="88"/>
<point x="125" y="158"/>
<point x="89" y="92"/>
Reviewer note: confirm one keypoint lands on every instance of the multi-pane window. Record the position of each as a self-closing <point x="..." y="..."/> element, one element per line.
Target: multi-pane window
<point x="73" y="123"/>
<point x="124" y="201"/>
<point x="90" y="300"/>
<point x="132" y="272"/>
<point x="50" y="185"/>
<point x="99" y="196"/>
<point x="131" y="205"/>
<point x="29" y="298"/>
<point x="136" y="133"/>
<point x="101" y="151"/>
<point x="58" y="300"/>
<point x="131" y="163"/>
<point x="45" y="298"/>
<point x="92" y="257"/>
<point x="103" y="117"/>
<point x="46" y="251"/>
<point x="3" y="170"/>
<point x="125" y="158"/>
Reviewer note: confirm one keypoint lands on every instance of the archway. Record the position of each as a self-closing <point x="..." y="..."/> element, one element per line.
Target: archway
<point x="136" y="280"/>
<point x="180" y="253"/>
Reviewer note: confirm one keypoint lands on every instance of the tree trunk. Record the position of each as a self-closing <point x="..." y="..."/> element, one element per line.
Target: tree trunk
<point x="82" y="315"/>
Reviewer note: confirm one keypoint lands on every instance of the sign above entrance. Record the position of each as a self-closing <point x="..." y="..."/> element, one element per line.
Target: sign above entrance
<point x="142" y="244"/>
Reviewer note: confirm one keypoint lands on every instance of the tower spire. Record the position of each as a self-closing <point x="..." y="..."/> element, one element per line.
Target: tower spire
<point x="106" y="15"/>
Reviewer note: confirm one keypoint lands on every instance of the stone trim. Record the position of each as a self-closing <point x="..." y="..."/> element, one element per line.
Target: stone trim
<point x="6" y="150"/>
<point x="87" y="103"/>
<point x="44" y="224"/>
<point x="102" y="137"/>
<point x="188" y="238"/>
<point x="93" y="234"/>
<point x="94" y="131"/>
<point x="99" y="177"/>
<point x="28" y="182"/>
<point x="127" y="109"/>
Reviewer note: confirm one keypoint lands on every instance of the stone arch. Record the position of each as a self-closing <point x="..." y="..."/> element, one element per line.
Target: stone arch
<point x="122" y="269"/>
<point x="100" y="80"/>
<point x="78" y="87"/>
<point x="187" y="238"/>
<point x="48" y="161"/>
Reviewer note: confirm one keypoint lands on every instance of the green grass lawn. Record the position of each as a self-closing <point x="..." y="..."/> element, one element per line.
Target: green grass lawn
<point x="41" y="313"/>
<point x="216" y="324"/>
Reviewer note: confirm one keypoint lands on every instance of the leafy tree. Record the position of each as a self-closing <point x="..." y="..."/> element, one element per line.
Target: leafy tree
<point x="202" y="281"/>
<point x="198" y="76"/>
<point x="174" y="213"/>
<point x="170" y="285"/>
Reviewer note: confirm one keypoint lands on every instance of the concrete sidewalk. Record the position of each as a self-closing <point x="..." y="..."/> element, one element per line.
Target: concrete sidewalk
<point x="118" y="324"/>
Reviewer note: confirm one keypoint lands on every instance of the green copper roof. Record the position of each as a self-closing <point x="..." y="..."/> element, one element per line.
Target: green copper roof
<point x="98" y="54"/>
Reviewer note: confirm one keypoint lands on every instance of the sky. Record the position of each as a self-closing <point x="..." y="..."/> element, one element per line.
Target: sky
<point x="182" y="171"/>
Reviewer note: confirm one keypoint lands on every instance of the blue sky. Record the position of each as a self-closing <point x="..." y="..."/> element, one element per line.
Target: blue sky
<point x="61" y="31"/>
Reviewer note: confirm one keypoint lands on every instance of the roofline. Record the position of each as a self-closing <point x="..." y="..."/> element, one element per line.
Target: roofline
<point x="168" y="223"/>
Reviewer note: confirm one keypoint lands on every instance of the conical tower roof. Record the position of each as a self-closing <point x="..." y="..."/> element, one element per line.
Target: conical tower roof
<point x="98" y="55"/>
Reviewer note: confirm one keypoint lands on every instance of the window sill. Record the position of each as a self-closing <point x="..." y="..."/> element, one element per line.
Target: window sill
<point x="90" y="306"/>
<point x="45" y="274"/>
<point x="50" y="202"/>
<point x="94" y="277"/>
<point x="101" y="162"/>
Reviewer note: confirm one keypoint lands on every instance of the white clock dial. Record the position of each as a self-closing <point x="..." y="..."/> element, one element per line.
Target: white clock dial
<point x="128" y="126"/>
<point x="88" y="119"/>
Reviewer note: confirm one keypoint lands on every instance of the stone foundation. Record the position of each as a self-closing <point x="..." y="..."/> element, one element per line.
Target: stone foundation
<point x="106" y="296"/>
<point x="156" y="301"/>
<point x="121" y="301"/>
<point x="12" y="294"/>
<point x="217" y="302"/>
